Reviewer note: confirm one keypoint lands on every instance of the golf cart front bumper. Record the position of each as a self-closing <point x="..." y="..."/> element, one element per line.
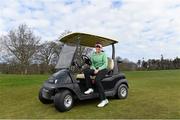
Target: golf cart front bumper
<point x="48" y="91"/>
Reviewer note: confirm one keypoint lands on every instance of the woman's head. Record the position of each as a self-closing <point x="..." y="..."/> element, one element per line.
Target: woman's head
<point x="98" y="47"/>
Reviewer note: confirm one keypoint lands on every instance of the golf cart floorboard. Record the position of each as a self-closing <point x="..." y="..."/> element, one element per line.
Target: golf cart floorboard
<point x="96" y="95"/>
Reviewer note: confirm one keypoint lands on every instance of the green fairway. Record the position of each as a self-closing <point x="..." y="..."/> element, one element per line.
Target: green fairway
<point x="152" y="94"/>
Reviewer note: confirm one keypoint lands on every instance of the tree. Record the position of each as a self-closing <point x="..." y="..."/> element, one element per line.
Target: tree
<point x="66" y="32"/>
<point x="162" y="62"/>
<point x="139" y="63"/>
<point x="48" y="53"/>
<point x="22" y="44"/>
<point x="176" y="63"/>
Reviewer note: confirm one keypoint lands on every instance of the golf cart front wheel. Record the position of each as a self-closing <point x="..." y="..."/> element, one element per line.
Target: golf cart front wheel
<point x="122" y="91"/>
<point x="63" y="100"/>
<point x="42" y="99"/>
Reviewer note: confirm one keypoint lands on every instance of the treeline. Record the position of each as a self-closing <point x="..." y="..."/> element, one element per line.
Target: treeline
<point x="126" y="65"/>
<point x="31" y="69"/>
<point x="159" y="64"/>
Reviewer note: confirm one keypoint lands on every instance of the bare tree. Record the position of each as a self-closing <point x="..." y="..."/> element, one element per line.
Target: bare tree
<point x="22" y="43"/>
<point x="66" y="32"/>
<point x="48" y="51"/>
<point x="48" y="54"/>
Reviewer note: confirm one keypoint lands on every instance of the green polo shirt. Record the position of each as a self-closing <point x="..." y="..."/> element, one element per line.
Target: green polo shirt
<point x="99" y="60"/>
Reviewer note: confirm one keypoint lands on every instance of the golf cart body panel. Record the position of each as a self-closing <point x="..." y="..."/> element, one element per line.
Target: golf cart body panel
<point x="61" y="76"/>
<point x="52" y="89"/>
<point x="65" y="79"/>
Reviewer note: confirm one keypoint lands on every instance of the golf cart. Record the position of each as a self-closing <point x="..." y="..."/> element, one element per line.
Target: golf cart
<point x="68" y="83"/>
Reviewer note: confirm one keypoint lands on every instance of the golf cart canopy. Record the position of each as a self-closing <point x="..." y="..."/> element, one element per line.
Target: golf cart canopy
<point x="87" y="39"/>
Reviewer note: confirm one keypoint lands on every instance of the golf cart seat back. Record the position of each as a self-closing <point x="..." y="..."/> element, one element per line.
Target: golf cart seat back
<point x="110" y="64"/>
<point x="110" y="69"/>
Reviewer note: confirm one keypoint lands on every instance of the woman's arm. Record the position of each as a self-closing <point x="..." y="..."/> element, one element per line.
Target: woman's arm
<point x="105" y="62"/>
<point x="92" y="65"/>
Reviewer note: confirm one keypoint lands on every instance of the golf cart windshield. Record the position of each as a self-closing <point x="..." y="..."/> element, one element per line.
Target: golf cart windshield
<point x="66" y="57"/>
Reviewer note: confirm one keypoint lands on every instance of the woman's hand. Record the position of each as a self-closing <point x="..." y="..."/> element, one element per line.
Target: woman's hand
<point x="96" y="71"/>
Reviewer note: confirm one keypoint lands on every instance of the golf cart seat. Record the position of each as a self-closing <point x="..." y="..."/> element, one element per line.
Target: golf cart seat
<point x="110" y="69"/>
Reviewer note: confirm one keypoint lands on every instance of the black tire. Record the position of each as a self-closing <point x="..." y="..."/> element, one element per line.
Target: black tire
<point x="63" y="100"/>
<point x="42" y="99"/>
<point x="122" y="91"/>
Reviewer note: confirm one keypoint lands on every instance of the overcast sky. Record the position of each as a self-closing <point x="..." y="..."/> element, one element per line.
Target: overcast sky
<point x="144" y="28"/>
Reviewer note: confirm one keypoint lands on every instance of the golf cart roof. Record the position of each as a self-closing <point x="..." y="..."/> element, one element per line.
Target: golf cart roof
<point x="87" y="39"/>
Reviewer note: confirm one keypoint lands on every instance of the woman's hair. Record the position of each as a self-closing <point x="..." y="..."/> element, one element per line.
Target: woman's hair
<point x="98" y="43"/>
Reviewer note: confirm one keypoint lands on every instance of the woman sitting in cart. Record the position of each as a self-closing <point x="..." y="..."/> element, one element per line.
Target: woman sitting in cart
<point x="99" y="69"/>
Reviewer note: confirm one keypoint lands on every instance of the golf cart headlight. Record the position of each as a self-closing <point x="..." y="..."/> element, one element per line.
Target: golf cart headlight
<point x="51" y="81"/>
<point x="55" y="81"/>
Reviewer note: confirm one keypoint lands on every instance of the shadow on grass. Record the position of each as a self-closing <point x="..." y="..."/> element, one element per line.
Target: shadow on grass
<point x="91" y="101"/>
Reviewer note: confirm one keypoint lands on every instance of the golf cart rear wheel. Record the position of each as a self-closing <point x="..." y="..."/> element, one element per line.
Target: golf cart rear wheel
<point x="63" y="100"/>
<point x="42" y="99"/>
<point x="122" y="91"/>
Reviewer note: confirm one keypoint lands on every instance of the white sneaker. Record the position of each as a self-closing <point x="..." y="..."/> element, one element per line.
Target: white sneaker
<point x="103" y="103"/>
<point x="90" y="90"/>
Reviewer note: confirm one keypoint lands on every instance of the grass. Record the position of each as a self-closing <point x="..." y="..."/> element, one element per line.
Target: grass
<point x="152" y="94"/>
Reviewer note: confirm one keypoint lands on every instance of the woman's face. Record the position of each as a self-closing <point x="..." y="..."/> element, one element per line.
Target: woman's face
<point x="98" y="48"/>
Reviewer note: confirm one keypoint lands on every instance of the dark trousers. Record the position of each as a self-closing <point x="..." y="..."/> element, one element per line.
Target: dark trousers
<point x="99" y="76"/>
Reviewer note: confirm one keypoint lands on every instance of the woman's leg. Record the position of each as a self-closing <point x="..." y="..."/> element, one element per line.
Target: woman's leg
<point x="87" y="73"/>
<point x="100" y="75"/>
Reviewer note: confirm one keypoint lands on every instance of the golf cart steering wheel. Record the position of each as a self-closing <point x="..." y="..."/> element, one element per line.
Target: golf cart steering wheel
<point x="86" y="59"/>
<point x="76" y="64"/>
